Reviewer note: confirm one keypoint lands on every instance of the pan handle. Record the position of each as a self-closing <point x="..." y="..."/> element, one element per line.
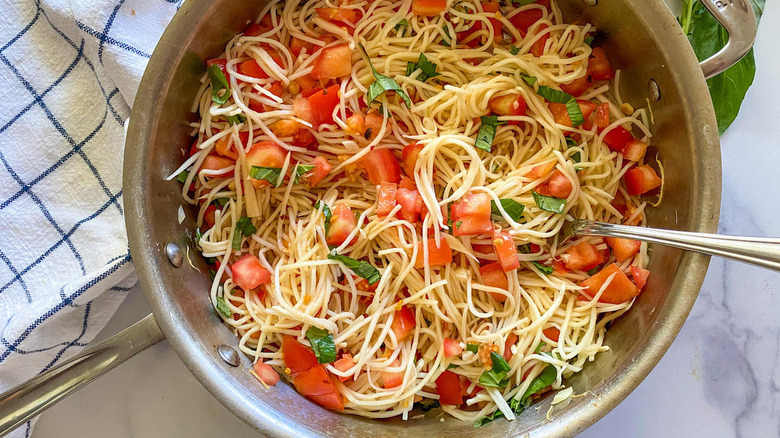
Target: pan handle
<point x="739" y="20"/>
<point x="32" y="397"/>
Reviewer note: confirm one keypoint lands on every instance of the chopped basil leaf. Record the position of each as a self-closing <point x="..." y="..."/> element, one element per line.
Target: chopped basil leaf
<point x="383" y="84"/>
<point x="496" y="377"/>
<point x="427" y="404"/>
<point x="513" y="208"/>
<point x="522" y="2"/>
<point x="487" y="132"/>
<point x="575" y="114"/>
<point x="558" y="96"/>
<point x="451" y="366"/>
<point x="182" y="178"/>
<point x="210" y="260"/>
<point x="427" y="68"/>
<point x="593" y="271"/>
<point x="545" y="379"/>
<point x="530" y="80"/>
<point x="271" y="174"/>
<point x="576" y="158"/>
<point x="244" y="227"/>
<point x="401" y="25"/>
<point x="447" y="41"/>
<point x="524" y="249"/>
<point x="220" y="202"/>
<point x="198" y="235"/>
<point x="547" y="270"/>
<point x="223" y="308"/>
<point x="361" y="268"/>
<point x="326" y="212"/>
<point x="570" y="142"/>
<point x="539" y="347"/>
<point x="474" y="348"/>
<point x="487" y="419"/>
<point x="589" y="40"/>
<point x="235" y="120"/>
<point x="514" y="49"/>
<point x="218" y="83"/>
<point x="301" y="170"/>
<point x="548" y="203"/>
<point x="322" y="343"/>
<point x="212" y="274"/>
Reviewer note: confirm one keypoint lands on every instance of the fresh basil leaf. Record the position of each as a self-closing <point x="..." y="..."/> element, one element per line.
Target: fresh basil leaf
<point x="220" y="202"/>
<point x="487" y="132"/>
<point x="499" y="364"/>
<point x="360" y="268"/>
<point x="593" y="271"/>
<point x="271" y="174"/>
<point x="223" y="308"/>
<point x="522" y="2"/>
<point x="212" y="274"/>
<point x="326" y="212"/>
<point x="496" y="377"/>
<point x="514" y="49"/>
<point x="235" y="120"/>
<point x="244" y="227"/>
<point x="383" y="84"/>
<point x="210" y="260"/>
<point x="182" y="178"/>
<point x="322" y="343"/>
<point x="589" y="40"/>
<point x="427" y="68"/>
<point x="575" y="114"/>
<point x="548" y="203"/>
<point x="198" y="235"/>
<point x="218" y="83"/>
<point x="539" y="347"/>
<point x="447" y="40"/>
<point x="451" y="366"/>
<point x="301" y="170"/>
<point x="570" y="142"/>
<point x="487" y="419"/>
<point x="553" y="95"/>
<point x="547" y="270"/>
<point x="474" y="348"/>
<point x="545" y="379"/>
<point x="576" y="158"/>
<point x="530" y="80"/>
<point x="513" y="208"/>
<point x="524" y="249"/>
<point x="399" y="28"/>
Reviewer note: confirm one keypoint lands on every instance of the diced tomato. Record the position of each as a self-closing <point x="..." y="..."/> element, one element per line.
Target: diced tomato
<point x="552" y="333"/>
<point x="617" y="138"/>
<point x="561" y="114"/>
<point x="411" y="204"/>
<point x="497" y="25"/>
<point x="506" y="251"/>
<point x="296" y="356"/>
<point x="373" y="125"/>
<point x="403" y="323"/>
<point x="599" y="67"/>
<point x="448" y="388"/>
<point x="341" y="15"/>
<point x="356" y="124"/>
<point x="583" y="256"/>
<point x="221" y="146"/>
<point x="493" y="275"/>
<point x="602" y="116"/>
<point x="620" y="203"/>
<point x="254" y="29"/>
<point x="409" y="158"/>
<point x="619" y="290"/>
<point x="559" y="267"/>
<point x="321" y="169"/>
<point x="306" y="82"/>
<point x="465" y="37"/>
<point x="523" y="20"/>
<point x="344" y="364"/>
<point x="315" y="384"/>
<point x="381" y="166"/>
<point x="511" y="340"/>
<point x="323" y="103"/>
<point x="578" y="86"/>
<point x="391" y="379"/>
<point x="407" y="183"/>
<point x="386" y="198"/>
<point x="541" y="170"/>
<point x="303" y="138"/>
<point x="342" y="223"/>
<point x="266" y="373"/>
<point x="302" y="110"/>
<point x="298" y="45"/>
<point x="428" y="8"/>
<point x="437" y="256"/>
<point x="215" y="162"/>
<point x="249" y="273"/>
<point x="308" y="93"/>
<point x="559" y="185"/>
<point x="640" y="276"/>
<point x="333" y="62"/>
<point x="634" y="150"/>
<point x="624" y="249"/>
<point x="641" y="180"/>
<point x="221" y="63"/>
<point x="452" y="347"/>
<point x="471" y="215"/>
<point x="508" y="105"/>
<point x="252" y="69"/>
<point x="285" y="128"/>
<point x="265" y="154"/>
<point x="209" y="215"/>
<point x="537" y="49"/>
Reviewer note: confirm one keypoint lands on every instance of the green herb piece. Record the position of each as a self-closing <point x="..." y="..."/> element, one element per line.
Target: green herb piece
<point x="547" y="270"/>
<point x="530" y="80"/>
<point x="223" y="308"/>
<point x="182" y="178"/>
<point x="399" y="28"/>
<point x="514" y="404"/>
<point x="545" y="379"/>
<point x="496" y="377"/>
<point x="487" y="132"/>
<point x="427" y="68"/>
<point x="589" y="40"/>
<point x="361" y="268"/>
<point x="707" y="37"/>
<point x="322" y="343"/>
<point x="383" y="84"/>
<point x="575" y="114"/>
<point x="326" y="212"/>
<point x="301" y="170"/>
<point x="548" y="203"/>
<point x="235" y="120"/>
<point x="451" y="366"/>
<point x="524" y="249"/>
<point x="474" y="348"/>
<point x="271" y="174"/>
<point x="558" y="96"/>
<point x="198" y="235"/>
<point x="513" y="208"/>
<point x="514" y="49"/>
<point x="244" y="227"/>
<point x="539" y="347"/>
<point x="212" y="274"/>
<point x="593" y="271"/>
<point x="427" y="404"/>
<point x="218" y="83"/>
<point x="210" y="260"/>
<point x="220" y="202"/>
<point x="522" y="2"/>
<point x="447" y="40"/>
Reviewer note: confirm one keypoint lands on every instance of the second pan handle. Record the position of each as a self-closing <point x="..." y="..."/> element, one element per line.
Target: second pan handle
<point x="739" y="20"/>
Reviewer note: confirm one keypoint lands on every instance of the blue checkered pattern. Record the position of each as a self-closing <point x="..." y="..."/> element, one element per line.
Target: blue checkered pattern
<point x="68" y="71"/>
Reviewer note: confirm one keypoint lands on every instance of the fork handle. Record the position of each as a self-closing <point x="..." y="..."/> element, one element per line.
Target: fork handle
<point x="762" y="252"/>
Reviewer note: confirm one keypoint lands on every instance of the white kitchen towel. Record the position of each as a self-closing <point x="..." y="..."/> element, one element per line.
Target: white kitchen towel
<point x="69" y="70"/>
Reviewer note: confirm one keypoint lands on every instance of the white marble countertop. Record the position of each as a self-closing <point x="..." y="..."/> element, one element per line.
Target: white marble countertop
<point x="720" y="378"/>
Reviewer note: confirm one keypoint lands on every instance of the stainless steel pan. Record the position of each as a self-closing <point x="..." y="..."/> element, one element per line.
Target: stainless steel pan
<point x="658" y="64"/>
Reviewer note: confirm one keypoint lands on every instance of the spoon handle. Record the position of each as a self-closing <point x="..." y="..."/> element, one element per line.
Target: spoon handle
<point x="758" y="251"/>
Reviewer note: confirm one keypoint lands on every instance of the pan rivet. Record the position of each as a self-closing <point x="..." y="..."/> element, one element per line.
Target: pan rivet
<point x="173" y="252"/>
<point x="229" y="355"/>
<point x="654" y="90"/>
<point x="591" y="2"/>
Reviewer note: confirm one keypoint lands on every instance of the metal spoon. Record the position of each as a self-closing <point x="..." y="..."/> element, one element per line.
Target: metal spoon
<point x="758" y="251"/>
